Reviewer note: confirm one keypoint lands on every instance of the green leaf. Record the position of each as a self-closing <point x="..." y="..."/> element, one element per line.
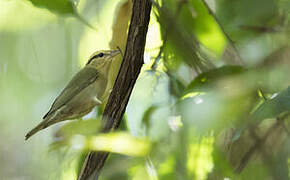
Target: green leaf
<point x="204" y="26"/>
<point x="62" y="7"/>
<point x="206" y="80"/>
<point x="274" y="107"/>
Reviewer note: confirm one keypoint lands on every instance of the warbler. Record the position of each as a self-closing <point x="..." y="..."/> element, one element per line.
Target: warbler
<point x="85" y="91"/>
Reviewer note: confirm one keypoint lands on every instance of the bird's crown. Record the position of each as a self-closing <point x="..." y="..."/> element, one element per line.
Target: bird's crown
<point x="102" y="56"/>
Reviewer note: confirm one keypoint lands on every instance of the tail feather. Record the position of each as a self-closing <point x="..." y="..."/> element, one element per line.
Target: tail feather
<point x="44" y="124"/>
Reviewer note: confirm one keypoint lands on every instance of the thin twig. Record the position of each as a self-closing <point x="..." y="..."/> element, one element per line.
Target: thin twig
<point x="224" y="32"/>
<point x="158" y="57"/>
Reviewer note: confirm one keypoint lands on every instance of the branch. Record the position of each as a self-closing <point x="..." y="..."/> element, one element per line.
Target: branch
<point x="129" y="71"/>
<point x="231" y="42"/>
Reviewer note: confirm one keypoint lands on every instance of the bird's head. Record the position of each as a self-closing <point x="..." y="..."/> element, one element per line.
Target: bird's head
<point x="103" y="57"/>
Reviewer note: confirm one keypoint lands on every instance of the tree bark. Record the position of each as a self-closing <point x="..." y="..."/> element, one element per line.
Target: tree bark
<point x="129" y="71"/>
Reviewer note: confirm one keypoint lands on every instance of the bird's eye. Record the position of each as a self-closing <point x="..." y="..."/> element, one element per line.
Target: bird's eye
<point x="95" y="56"/>
<point x="101" y="54"/>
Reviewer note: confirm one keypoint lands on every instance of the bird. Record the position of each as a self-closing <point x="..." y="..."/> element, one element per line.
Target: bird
<point x="85" y="91"/>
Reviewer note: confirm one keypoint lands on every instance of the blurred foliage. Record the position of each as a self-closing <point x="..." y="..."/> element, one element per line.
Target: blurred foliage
<point x="195" y="112"/>
<point x="274" y="107"/>
<point x="59" y="6"/>
<point x="120" y="143"/>
<point x="205" y="80"/>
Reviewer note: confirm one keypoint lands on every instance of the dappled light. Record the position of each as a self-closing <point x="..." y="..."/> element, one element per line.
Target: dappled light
<point x="120" y="143"/>
<point x="209" y="98"/>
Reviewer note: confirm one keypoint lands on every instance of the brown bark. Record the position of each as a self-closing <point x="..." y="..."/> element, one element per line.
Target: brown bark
<point x="129" y="71"/>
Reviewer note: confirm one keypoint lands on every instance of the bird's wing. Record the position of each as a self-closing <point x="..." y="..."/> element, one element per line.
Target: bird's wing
<point x="80" y="81"/>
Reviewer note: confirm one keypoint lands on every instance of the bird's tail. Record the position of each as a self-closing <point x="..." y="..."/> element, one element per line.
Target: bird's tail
<point x="44" y="124"/>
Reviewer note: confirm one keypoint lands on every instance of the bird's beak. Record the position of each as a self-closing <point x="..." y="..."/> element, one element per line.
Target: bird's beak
<point x="115" y="53"/>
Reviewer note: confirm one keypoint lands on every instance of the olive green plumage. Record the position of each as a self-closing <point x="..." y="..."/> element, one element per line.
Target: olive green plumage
<point x="83" y="92"/>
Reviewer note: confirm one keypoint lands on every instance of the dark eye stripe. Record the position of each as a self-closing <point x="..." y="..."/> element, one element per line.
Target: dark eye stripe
<point x="95" y="56"/>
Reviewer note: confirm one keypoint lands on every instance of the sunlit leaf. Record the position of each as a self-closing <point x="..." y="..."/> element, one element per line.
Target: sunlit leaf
<point x="205" y="27"/>
<point x="191" y="95"/>
<point x="122" y="143"/>
<point x="200" y="162"/>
